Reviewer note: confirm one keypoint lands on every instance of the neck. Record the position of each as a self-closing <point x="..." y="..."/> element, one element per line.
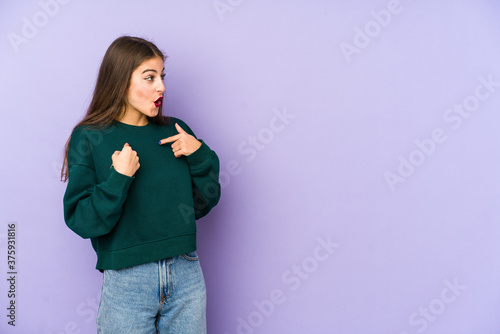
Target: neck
<point x="130" y="118"/>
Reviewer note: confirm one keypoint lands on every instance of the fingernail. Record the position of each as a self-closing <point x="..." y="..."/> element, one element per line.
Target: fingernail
<point x="159" y="143"/>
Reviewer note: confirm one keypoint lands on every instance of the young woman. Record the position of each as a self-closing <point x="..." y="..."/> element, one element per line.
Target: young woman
<point x="137" y="181"/>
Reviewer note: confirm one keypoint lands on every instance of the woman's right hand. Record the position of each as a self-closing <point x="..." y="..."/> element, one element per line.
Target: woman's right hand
<point x="126" y="161"/>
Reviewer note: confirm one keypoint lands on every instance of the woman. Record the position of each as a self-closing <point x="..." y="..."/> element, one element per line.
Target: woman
<point x="136" y="183"/>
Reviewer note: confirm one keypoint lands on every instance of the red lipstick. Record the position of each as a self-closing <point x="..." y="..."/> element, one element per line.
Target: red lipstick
<point x="158" y="101"/>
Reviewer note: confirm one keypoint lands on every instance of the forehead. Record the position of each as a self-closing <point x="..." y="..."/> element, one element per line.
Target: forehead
<point x="155" y="64"/>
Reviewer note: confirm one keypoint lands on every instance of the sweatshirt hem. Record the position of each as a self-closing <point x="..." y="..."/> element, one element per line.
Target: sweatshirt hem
<point x="145" y="253"/>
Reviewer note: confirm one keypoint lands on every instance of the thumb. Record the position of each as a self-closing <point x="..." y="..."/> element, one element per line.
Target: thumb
<point x="179" y="129"/>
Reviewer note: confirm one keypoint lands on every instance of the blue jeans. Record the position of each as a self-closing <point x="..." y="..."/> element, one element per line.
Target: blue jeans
<point x="167" y="296"/>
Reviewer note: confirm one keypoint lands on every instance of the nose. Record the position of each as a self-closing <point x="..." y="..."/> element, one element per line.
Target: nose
<point x="161" y="87"/>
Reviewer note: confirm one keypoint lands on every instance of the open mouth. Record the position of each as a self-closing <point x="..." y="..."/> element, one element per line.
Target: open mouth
<point x="158" y="101"/>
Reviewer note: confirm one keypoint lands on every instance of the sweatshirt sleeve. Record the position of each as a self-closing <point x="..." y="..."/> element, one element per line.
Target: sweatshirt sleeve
<point x="92" y="209"/>
<point x="204" y="169"/>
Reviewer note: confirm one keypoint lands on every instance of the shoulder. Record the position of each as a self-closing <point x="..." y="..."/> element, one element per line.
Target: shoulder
<point x="79" y="135"/>
<point x="182" y="124"/>
<point x="82" y="140"/>
<point x="84" y="132"/>
<point x="173" y="120"/>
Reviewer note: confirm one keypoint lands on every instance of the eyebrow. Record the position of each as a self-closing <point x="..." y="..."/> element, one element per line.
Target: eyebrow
<point x="151" y="70"/>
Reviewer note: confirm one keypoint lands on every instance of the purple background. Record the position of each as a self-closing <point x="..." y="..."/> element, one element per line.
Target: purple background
<point x="234" y="64"/>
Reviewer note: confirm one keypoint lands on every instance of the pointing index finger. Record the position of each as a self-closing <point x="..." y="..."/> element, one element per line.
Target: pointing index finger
<point x="169" y="139"/>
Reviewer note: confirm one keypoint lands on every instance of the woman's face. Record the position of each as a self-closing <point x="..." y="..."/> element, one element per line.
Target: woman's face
<point x="145" y="93"/>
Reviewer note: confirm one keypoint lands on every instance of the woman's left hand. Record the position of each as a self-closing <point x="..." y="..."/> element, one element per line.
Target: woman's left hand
<point x="183" y="143"/>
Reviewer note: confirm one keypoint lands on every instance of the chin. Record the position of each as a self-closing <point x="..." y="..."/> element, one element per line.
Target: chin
<point x="153" y="113"/>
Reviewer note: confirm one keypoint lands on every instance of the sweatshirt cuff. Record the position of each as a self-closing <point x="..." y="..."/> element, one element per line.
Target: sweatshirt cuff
<point x="118" y="183"/>
<point x="200" y="156"/>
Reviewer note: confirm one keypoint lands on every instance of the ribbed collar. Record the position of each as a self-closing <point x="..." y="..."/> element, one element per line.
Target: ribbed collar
<point x="135" y="128"/>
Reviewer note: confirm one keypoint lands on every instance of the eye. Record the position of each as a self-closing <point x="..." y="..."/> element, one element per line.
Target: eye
<point x="162" y="76"/>
<point x="149" y="78"/>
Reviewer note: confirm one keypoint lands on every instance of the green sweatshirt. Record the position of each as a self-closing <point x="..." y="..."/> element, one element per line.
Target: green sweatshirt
<point x="147" y="217"/>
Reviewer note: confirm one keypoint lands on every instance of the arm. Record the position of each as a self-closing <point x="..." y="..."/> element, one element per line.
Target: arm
<point x="92" y="209"/>
<point x="203" y="166"/>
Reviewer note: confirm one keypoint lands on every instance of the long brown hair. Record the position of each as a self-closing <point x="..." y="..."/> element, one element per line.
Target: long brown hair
<point x="123" y="56"/>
